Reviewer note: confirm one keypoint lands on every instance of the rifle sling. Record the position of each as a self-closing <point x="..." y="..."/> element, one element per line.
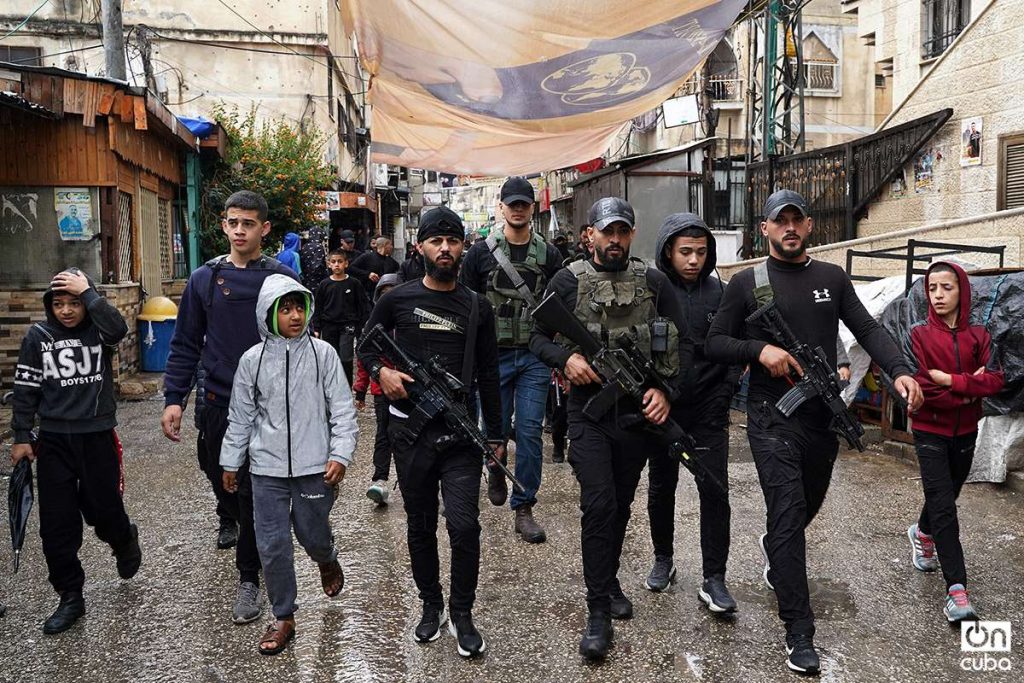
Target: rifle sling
<point x="510" y="271"/>
<point x="469" y="356"/>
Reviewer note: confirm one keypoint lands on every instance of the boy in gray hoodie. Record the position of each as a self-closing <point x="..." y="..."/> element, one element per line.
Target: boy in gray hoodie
<point x="291" y="409"/>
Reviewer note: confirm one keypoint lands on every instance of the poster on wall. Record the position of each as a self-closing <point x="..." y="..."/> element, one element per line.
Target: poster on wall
<point x="924" y="168"/>
<point x="898" y="188"/>
<point x="74" y="213"/>
<point x="970" y="141"/>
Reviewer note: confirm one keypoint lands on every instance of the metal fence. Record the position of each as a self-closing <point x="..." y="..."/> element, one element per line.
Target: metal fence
<point x="838" y="182"/>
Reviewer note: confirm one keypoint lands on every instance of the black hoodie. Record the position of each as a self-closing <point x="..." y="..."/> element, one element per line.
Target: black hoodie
<point x="702" y="381"/>
<point x="64" y="374"/>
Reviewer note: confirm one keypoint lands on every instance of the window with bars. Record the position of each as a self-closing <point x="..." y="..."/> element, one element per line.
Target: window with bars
<point x="1010" y="194"/>
<point x="941" y="22"/>
<point x="21" y="55"/>
<point x="821" y="76"/>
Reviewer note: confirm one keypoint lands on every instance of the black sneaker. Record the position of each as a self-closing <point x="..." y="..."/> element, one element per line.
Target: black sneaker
<point x="597" y="639"/>
<point x="663" y="574"/>
<point x="227" y="536"/>
<point x="716" y="596"/>
<point x="71" y="607"/>
<point x="802" y="657"/>
<point x="621" y="607"/>
<point x="129" y="556"/>
<point x="429" y="628"/>
<point x="470" y="642"/>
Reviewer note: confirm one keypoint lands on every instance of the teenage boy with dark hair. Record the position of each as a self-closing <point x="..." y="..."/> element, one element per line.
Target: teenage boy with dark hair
<point x="952" y="359"/>
<point x="340" y="309"/>
<point x="292" y="418"/>
<point x="686" y="254"/>
<point x="215" y="326"/>
<point x="64" y="376"/>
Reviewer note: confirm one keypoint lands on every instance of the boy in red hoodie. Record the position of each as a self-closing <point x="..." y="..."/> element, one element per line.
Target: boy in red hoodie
<point x="952" y="357"/>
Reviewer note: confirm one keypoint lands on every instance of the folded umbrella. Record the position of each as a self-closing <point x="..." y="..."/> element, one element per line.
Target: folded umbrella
<point x="19" y="505"/>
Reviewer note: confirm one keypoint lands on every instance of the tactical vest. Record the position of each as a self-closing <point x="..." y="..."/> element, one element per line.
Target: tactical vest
<point x="617" y="304"/>
<point x="511" y="310"/>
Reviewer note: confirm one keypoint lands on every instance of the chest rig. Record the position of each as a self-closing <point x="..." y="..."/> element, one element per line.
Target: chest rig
<point x="619" y="304"/>
<point x="512" y="303"/>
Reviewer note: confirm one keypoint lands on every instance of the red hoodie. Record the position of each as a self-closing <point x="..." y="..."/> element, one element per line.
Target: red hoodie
<point x="959" y="352"/>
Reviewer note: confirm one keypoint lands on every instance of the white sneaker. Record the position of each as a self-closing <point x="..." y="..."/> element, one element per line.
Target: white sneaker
<point x="379" y="492"/>
<point x="767" y="565"/>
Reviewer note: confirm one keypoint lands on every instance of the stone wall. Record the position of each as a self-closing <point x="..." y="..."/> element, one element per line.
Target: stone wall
<point x="22" y="308"/>
<point x="1000" y="228"/>
<point x="173" y="289"/>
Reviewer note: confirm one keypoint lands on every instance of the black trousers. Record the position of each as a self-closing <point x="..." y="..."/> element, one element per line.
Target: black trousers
<point x="342" y="338"/>
<point x="945" y="463"/>
<point x="456" y="470"/>
<point x="709" y="426"/>
<point x="794" y="459"/>
<point x="381" y="442"/>
<point x="213" y="422"/>
<point x="558" y="418"/>
<point x="607" y="462"/>
<point x="78" y="475"/>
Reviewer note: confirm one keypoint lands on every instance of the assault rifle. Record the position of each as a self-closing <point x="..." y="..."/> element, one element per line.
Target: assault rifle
<point x="820" y="378"/>
<point x="435" y="392"/>
<point x="627" y="373"/>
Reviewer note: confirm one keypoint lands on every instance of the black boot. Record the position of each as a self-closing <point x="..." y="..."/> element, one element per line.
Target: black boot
<point x="597" y="639"/>
<point x="497" y="487"/>
<point x="527" y="527"/>
<point x="227" y="535"/>
<point x="621" y="606"/>
<point x="129" y="556"/>
<point x="71" y="607"/>
<point x="558" y="452"/>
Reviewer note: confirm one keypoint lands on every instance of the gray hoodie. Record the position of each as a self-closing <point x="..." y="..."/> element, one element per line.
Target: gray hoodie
<point x="291" y="406"/>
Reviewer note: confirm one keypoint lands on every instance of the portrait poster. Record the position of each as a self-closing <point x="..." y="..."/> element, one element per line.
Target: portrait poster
<point x="74" y="213"/>
<point x="970" y="141"/>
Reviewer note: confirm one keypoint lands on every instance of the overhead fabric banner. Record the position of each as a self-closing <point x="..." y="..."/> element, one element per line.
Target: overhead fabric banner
<point x="503" y="87"/>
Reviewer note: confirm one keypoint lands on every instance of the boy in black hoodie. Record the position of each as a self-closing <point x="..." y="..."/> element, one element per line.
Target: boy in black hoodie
<point x="64" y="376"/>
<point x="686" y="254"/>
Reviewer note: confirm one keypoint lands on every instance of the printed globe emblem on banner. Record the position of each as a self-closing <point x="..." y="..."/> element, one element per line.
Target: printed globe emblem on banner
<point x="605" y="77"/>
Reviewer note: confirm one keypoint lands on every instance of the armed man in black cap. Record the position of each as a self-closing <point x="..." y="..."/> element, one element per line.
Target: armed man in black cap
<point x="794" y="455"/>
<point x="511" y="268"/>
<point x="438" y="317"/>
<point x="626" y="305"/>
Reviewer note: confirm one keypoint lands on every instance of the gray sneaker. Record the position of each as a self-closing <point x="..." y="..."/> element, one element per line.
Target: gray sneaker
<point x="958" y="605"/>
<point x="767" y="564"/>
<point x="923" y="555"/>
<point x="247" y="604"/>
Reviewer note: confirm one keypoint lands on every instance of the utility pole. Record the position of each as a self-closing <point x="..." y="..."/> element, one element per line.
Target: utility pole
<point x="113" y="39"/>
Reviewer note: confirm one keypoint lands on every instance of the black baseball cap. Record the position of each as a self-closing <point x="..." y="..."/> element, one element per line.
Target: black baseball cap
<point x="347" y="236"/>
<point x="609" y="210"/>
<point x="517" y="189"/>
<point x="440" y="221"/>
<point x="780" y="199"/>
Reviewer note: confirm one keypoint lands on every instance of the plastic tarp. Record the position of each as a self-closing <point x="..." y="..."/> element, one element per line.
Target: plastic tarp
<point x="996" y="303"/>
<point x="198" y="126"/>
<point x="517" y="86"/>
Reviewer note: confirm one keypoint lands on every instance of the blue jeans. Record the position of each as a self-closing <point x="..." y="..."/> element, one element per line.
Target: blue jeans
<point x="524" y="389"/>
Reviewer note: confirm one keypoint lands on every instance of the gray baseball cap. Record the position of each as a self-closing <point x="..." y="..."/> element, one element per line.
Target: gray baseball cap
<point x="609" y="210"/>
<point x="780" y="199"/>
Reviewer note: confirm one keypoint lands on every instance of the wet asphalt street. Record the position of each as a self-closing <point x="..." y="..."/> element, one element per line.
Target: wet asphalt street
<point x="878" y="618"/>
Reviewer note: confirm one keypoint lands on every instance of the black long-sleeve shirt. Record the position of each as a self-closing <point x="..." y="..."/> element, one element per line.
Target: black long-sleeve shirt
<point x="479" y="263"/>
<point x="338" y="303"/>
<point x="813" y="297"/>
<point x="371" y="262"/>
<point x="566" y="286"/>
<point x="428" y="322"/>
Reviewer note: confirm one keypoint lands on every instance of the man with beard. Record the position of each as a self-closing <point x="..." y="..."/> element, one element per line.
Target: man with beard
<point x="373" y="264"/>
<point x="794" y="456"/>
<point x="620" y="298"/>
<point x="436" y="316"/>
<point x="511" y="268"/>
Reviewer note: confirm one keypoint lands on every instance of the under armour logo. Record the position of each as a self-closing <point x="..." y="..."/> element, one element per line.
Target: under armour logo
<point x="821" y="296"/>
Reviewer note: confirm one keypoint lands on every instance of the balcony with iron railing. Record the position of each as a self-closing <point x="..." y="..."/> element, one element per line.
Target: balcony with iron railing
<point x="725" y="89"/>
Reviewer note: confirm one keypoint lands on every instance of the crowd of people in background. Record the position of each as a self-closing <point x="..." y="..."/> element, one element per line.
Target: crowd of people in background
<point x="271" y="346"/>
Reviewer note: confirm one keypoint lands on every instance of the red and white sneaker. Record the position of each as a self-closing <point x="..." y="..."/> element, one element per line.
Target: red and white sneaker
<point x="923" y="550"/>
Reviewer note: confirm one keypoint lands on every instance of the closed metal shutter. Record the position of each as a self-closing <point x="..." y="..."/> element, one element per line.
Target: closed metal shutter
<point x="1013" y="179"/>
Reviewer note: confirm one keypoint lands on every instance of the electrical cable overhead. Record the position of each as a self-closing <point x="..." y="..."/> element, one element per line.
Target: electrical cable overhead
<point x="24" y="21"/>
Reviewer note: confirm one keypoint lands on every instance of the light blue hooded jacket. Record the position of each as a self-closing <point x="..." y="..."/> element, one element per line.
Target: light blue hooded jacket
<point x="291" y="406"/>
